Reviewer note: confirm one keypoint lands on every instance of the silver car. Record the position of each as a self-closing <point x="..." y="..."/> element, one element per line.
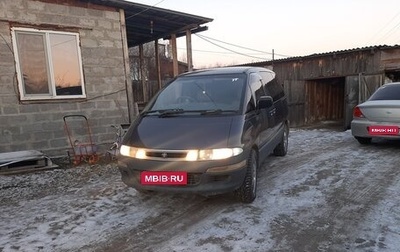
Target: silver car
<point x="379" y="116"/>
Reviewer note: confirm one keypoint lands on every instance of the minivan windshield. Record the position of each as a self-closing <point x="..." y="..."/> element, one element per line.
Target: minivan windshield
<point x="212" y="93"/>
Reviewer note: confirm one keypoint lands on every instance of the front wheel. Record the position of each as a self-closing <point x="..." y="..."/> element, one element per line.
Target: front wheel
<point x="247" y="191"/>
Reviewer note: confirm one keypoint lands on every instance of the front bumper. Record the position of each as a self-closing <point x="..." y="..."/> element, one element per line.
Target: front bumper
<point x="204" y="177"/>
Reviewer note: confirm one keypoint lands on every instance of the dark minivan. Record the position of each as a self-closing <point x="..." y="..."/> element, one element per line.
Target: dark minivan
<point x="206" y="132"/>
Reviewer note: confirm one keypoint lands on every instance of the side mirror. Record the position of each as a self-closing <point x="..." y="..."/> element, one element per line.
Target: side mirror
<point x="265" y="102"/>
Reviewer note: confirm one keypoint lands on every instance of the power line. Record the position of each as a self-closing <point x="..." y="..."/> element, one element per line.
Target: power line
<point x="243" y="54"/>
<point x="381" y="30"/>
<point x="390" y="31"/>
<point x="216" y="52"/>
<point x="140" y="12"/>
<point x="233" y="44"/>
<point x="247" y="48"/>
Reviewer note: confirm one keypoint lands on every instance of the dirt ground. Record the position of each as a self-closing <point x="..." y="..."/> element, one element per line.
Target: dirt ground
<point x="328" y="194"/>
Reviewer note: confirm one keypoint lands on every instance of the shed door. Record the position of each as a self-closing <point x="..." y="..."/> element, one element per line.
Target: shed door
<point x="357" y="90"/>
<point x="295" y="93"/>
<point x="351" y="93"/>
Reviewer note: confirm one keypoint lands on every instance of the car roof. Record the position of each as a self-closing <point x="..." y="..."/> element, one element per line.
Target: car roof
<point x="391" y="83"/>
<point x="225" y="70"/>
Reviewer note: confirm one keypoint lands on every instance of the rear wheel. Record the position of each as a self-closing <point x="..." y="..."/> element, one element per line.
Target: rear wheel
<point x="364" y="140"/>
<point x="247" y="191"/>
<point x="282" y="148"/>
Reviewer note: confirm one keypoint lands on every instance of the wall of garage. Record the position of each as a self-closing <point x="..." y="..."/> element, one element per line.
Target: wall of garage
<point x="324" y="100"/>
<point x="326" y="87"/>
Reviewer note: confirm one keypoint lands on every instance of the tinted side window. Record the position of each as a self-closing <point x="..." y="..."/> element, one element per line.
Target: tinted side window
<point x="256" y="86"/>
<point x="267" y="76"/>
<point x="249" y="100"/>
<point x="275" y="90"/>
<point x="272" y="87"/>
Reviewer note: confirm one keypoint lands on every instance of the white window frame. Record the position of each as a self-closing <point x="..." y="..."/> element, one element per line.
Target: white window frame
<point x="52" y="83"/>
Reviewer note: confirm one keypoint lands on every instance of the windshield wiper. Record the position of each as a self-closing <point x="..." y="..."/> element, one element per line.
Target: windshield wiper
<point x="163" y="112"/>
<point x="217" y="111"/>
<point x="150" y="112"/>
<point x="171" y="112"/>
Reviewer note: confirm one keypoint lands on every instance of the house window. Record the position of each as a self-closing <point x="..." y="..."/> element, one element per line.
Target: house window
<point x="48" y="64"/>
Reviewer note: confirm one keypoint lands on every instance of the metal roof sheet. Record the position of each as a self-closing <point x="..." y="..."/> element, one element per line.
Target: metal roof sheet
<point x="316" y="55"/>
<point x="148" y="23"/>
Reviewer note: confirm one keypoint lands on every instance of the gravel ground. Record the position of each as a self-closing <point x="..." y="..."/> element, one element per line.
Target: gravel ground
<point x="328" y="194"/>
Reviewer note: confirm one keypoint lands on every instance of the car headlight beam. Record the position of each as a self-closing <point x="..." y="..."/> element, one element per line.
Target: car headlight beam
<point x="125" y="150"/>
<point x="132" y="152"/>
<point x="213" y="154"/>
<point x="191" y="155"/>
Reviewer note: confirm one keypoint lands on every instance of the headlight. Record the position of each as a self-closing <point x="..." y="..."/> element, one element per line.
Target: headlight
<point x="191" y="155"/>
<point x="213" y="154"/>
<point x="132" y="152"/>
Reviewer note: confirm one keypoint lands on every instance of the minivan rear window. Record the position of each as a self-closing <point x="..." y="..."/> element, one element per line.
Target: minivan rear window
<point x="196" y="93"/>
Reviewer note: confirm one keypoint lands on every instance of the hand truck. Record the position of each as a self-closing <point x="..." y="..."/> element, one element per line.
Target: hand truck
<point x="80" y="138"/>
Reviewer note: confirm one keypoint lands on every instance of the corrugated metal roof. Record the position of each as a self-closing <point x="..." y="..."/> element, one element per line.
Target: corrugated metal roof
<point x="368" y="48"/>
<point x="315" y="55"/>
<point x="148" y="23"/>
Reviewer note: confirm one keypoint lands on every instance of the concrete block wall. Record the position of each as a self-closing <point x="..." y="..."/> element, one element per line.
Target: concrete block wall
<point x="39" y="125"/>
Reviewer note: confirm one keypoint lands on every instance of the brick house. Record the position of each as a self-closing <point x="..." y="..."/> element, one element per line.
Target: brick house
<point x="64" y="57"/>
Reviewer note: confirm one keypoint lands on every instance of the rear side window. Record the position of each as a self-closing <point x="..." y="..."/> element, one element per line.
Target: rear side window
<point x="254" y="92"/>
<point x="267" y="76"/>
<point x="388" y="92"/>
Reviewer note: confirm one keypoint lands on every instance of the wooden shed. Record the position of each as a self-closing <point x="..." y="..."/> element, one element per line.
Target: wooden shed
<point x="326" y="87"/>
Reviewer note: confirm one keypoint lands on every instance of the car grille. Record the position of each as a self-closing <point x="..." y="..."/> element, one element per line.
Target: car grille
<point x="219" y="178"/>
<point x="193" y="178"/>
<point x="166" y="154"/>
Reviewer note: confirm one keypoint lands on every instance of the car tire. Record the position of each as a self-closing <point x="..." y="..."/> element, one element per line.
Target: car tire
<point x="364" y="140"/>
<point x="246" y="193"/>
<point x="282" y="148"/>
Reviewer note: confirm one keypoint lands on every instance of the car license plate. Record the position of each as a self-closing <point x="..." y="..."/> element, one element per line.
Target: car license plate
<point x="383" y="130"/>
<point x="163" y="178"/>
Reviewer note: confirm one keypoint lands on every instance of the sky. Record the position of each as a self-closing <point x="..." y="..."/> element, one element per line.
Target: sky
<point x="287" y="27"/>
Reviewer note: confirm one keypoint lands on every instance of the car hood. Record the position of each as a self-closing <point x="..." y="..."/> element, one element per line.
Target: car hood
<point x="180" y="133"/>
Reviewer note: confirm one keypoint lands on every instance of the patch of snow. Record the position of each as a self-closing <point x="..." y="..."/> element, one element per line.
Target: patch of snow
<point x="328" y="193"/>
